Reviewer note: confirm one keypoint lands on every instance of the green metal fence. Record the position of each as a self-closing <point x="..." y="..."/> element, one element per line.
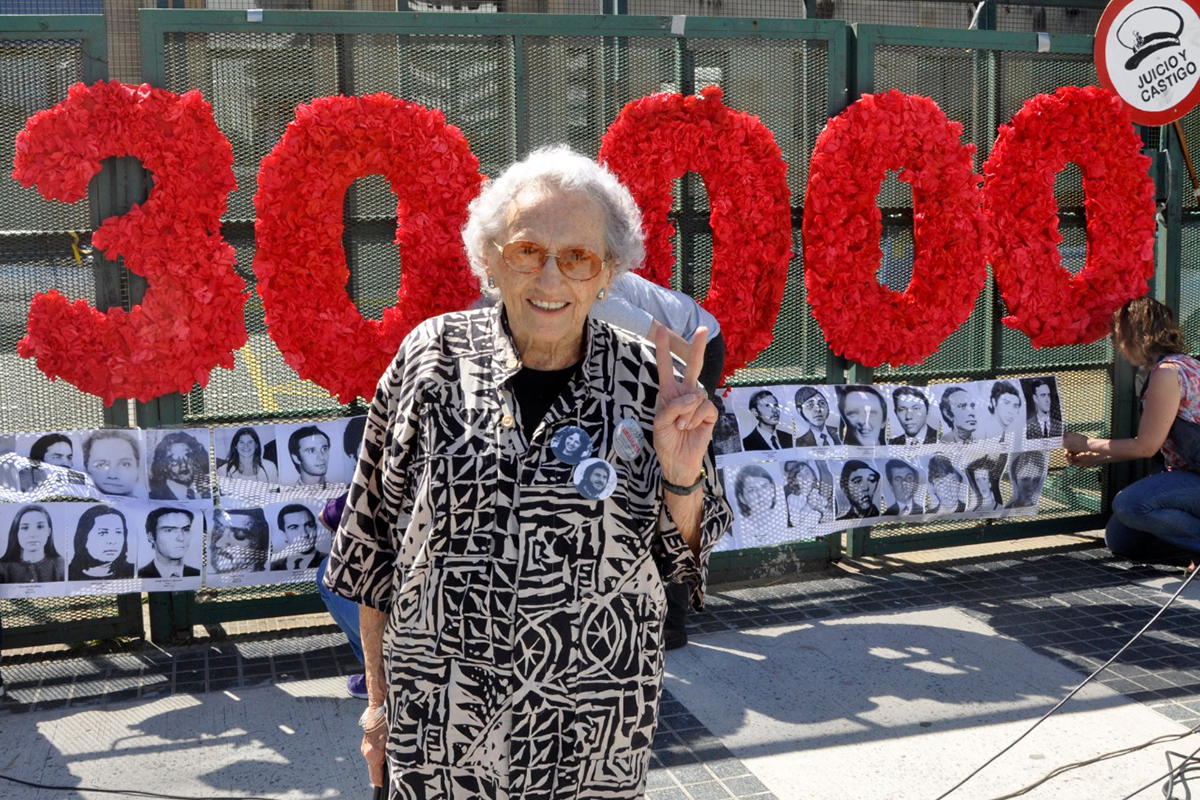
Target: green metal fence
<point x="513" y="82"/>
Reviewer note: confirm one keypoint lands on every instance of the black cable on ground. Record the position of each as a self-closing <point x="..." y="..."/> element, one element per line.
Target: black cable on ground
<point x="1076" y="690"/>
<point x="1169" y="777"/>
<point x="126" y="792"/>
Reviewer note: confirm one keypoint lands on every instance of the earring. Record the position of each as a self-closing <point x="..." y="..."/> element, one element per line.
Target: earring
<point x="600" y="294"/>
<point x="491" y="282"/>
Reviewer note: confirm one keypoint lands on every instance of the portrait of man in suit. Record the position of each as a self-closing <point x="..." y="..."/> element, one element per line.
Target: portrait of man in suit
<point x="912" y="410"/>
<point x="1044" y="415"/>
<point x="960" y="415"/>
<point x="170" y="533"/>
<point x="179" y="469"/>
<point x="863" y="415"/>
<point x="905" y="482"/>
<point x="764" y="405"/>
<point x="814" y="411"/>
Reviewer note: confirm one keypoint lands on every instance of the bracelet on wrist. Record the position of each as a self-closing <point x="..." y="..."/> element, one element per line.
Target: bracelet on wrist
<point x="675" y="488"/>
<point x="373" y="718"/>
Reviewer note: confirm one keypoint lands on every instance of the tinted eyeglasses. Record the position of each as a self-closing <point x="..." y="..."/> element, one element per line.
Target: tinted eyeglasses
<point x="576" y="263"/>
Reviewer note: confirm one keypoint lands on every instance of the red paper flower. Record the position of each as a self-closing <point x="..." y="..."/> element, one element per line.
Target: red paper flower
<point x="191" y="317"/>
<point x="1091" y="127"/>
<point x="863" y="320"/>
<point x="657" y="139"/>
<point x="299" y="259"/>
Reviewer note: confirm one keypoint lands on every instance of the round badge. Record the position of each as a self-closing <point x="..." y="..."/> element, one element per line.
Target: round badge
<point x="595" y="479"/>
<point x="571" y="444"/>
<point x="629" y="441"/>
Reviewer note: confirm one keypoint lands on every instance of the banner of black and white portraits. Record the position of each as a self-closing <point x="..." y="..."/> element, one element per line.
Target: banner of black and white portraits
<point x="800" y="462"/>
<point x="109" y="511"/>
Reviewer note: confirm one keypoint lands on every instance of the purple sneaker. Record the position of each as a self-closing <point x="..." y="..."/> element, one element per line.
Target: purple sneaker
<point x="356" y="686"/>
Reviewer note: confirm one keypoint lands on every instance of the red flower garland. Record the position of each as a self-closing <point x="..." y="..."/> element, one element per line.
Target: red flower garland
<point x="863" y="320"/>
<point x="299" y="259"/>
<point x="1091" y="127"/>
<point x="191" y="317"/>
<point x="657" y="139"/>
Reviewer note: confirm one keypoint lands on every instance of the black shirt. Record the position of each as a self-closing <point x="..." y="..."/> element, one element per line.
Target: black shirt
<point x="536" y="390"/>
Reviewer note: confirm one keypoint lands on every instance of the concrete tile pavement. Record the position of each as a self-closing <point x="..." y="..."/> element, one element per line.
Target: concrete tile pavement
<point x="889" y="677"/>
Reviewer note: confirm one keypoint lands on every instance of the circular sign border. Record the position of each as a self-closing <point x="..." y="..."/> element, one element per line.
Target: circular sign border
<point x="1100" y="58"/>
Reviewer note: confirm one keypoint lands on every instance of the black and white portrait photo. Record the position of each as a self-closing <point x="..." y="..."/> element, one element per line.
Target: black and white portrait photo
<point x="815" y="425"/>
<point x="726" y="436"/>
<point x="112" y="458"/>
<point x="239" y="541"/>
<point x="947" y="487"/>
<point x="105" y="544"/>
<point x="1004" y="421"/>
<point x="808" y="494"/>
<point x="571" y="444"/>
<point x="864" y="415"/>
<point x="1043" y="416"/>
<point x="174" y="541"/>
<point x="762" y="420"/>
<point x="910" y="422"/>
<point x="179" y="468"/>
<point x="53" y="461"/>
<point x="859" y="485"/>
<point x="241" y="454"/>
<point x="983" y="475"/>
<point x="1027" y="476"/>
<point x="906" y="487"/>
<point x="959" y="409"/>
<point x="298" y="542"/>
<point x="308" y="458"/>
<point x="33" y="550"/>
<point x="760" y="509"/>
<point x="595" y="478"/>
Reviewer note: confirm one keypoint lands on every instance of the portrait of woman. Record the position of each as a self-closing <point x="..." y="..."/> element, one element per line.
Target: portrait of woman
<point x="808" y="503"/>
<point x="761" y="506"/>
<point x="947" y="491"/>
<point x="101" y="549"/>
<point x="244" y="458"/>
<point x="436" y="507"/>
<point x="31" y="556"/>
<point x="984" y="474"/>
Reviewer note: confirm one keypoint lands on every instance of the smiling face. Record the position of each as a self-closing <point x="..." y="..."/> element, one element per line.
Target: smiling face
<point x="171" y="538"/>
<point x="314" y="456"/>
<point x="912" y="413"/>
<point x="33" y="531"/>
<point x="60" y="454"/>
<point x="106" y="540"/>
<point x="598" y="478"/>
<point x="546" y="310"/>
<point x="573" y="443"/>
<point x="864" y="414"/>
<point x="113" y="466"/>
<point x="245" y="448"/>
<point x="861" y="488"/>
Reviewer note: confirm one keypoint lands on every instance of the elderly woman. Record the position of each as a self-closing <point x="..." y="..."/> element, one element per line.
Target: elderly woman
<point x="523" y="619"/>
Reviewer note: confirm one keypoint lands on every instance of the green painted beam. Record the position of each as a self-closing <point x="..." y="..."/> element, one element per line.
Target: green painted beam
<point x="1013" y="41"/>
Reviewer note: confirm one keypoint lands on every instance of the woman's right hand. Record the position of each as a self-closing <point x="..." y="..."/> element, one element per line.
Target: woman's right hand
<point x="374" y="745"/>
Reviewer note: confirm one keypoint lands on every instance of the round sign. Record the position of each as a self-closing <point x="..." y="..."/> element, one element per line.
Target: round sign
<point x="571" y="443"/>
<point x="629" y="441"/>
<point x="595" y="479"/>
<point x="1148" y="54"/>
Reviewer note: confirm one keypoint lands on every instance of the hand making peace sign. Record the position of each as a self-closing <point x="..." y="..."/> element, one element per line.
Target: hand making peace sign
<point x="684" y="419"/>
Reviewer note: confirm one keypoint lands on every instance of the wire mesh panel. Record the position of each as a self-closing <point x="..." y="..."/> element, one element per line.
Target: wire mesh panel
<point x="1189" y="286"/>
<point x="982" y="87"/>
